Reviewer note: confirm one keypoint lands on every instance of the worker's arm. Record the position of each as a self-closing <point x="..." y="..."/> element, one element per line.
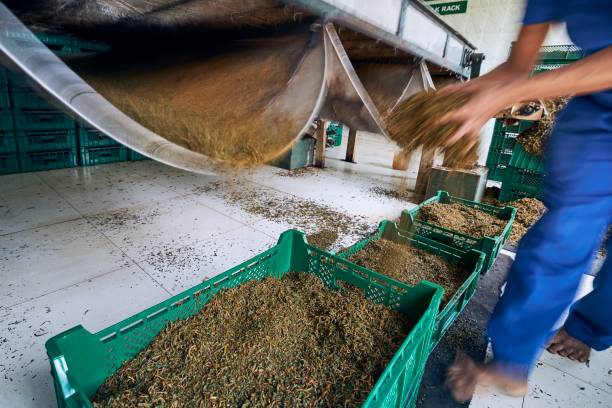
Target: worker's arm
<point x="511" y="82"/>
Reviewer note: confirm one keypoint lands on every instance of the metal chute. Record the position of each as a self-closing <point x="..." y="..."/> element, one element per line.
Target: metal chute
<point x="326" y="82"/>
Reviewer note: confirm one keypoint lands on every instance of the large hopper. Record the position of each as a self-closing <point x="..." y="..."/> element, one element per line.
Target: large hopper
<point x="260" y="91"/>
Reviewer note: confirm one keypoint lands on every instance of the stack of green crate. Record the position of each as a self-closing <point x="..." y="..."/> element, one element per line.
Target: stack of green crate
<point x="334" y="134"/>
<point x="502" y="144"/>
<point x="35" y="135"/>
<point x="97" y="148"/>
<point x="46" y="137"/>
<point x="469" y="259"/>
<point x="9" y="162"/>
<point x="504" y="137"/>
<point x="489" y="246"/>
<point x="523" y="177"/>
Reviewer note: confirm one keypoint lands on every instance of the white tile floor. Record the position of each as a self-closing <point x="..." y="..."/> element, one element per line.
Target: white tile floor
<point x="94" y="245"/>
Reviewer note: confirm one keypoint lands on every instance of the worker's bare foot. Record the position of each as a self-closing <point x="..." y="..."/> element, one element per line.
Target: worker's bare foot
<point x="567" y="346"/>
<point x="463" y="376"/>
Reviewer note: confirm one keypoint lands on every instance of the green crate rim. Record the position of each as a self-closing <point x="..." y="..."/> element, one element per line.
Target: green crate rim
<point x="447" y="315"/>
<point x="521" y="159"/>
<point x="69" y="392"/>
<point x="490" y="246"/>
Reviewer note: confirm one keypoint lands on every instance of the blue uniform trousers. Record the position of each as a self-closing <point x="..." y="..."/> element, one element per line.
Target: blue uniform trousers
<point x="561" y="247"/>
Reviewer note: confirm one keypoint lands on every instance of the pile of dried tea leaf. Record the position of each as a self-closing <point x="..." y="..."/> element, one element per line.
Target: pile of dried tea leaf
<point x="528" y="211"/>
<point x="415" y="122"/>
<point x="328" y="224"/>
<point x="323" y="239"/>
<point x="410" y="265"/>
<point x="461" y="218"/>
<point x="277" y="342"/>
<point x="533" y="139"/>
<point x="216" y="105"/>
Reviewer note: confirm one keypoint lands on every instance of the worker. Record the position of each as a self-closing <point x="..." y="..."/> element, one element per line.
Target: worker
<point x="561" y="246"/>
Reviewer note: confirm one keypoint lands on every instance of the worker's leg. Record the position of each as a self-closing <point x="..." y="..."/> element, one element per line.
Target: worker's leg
<point x="590" y="319"/>
<point x="553" y="255"/>
<point x="562" y="245"/>
<point x="550" y="262"/>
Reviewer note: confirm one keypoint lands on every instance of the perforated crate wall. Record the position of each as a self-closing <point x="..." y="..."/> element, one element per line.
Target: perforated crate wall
<point x="81" y="361"/>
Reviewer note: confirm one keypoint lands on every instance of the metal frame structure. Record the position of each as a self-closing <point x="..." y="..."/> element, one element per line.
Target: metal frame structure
<point x="411" y="24"/>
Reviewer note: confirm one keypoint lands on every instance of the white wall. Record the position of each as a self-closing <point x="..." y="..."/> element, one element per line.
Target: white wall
<point x="492" y="25"/>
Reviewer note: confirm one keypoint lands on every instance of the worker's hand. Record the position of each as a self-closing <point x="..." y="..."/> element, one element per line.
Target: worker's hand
<point x="484" y="102"/>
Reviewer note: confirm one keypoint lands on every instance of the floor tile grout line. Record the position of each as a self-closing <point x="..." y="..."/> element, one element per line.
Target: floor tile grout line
<point x="179" y="194"/>
<point x="577" y="378"/>
<point x="114" y="244"/>
<point x="42" y="226"/>
<point x="69" y="286"/>
<point x="157" y="202"/>
<point x="137" y="262"/>
<point x="108" y="173"/>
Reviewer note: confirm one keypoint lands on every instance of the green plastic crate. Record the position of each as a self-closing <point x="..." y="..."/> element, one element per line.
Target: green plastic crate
<point x="521" y="183"/>
<point x="538" y="69"/>
<point x="38" y="161"/>
<point x="47" y="140"/>
<point x="6" y="121"/>
<point x="81" y="361"/>
<point x="69" y="45"/>
<point x="94" y="138"/>
<point x="5" y="102"/>
<point x="29" y="100"/>
<point x="490" y="246"/>
<point x="471" y="260"/>
<point x="497" y="160"/>
<point x="135" y="156"/>
<point x="91" y="156"/>
<point x="9" y="163"/>
<point x="62" y="43"/>
<point x="42" y="120"/>
<point x="334" y="134"/>
<point x="7" y="141"/>
<point x="522" y="160"/>
<point x="551" y="54"/>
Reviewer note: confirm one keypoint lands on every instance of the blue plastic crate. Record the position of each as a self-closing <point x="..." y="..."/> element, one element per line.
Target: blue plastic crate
<point x="46" y="140"/>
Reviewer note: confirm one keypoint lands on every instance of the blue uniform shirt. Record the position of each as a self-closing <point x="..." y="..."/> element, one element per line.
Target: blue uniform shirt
<point x="589" y="22"/>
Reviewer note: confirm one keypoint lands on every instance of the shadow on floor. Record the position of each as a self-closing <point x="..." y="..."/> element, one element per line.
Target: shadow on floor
<point x="467" y="334"/>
